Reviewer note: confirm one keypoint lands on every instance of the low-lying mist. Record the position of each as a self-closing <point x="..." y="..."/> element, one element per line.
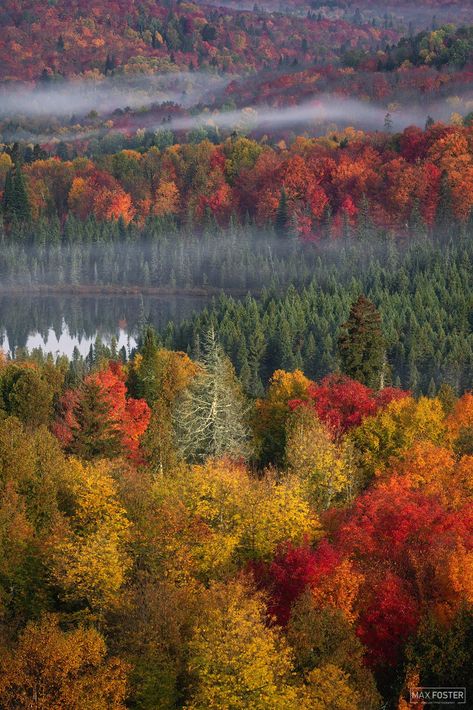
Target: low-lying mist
<point x="326" y="112"/>
<point x="67" y="98"/>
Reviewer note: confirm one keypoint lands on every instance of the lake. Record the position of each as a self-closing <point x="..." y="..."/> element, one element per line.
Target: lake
<point x="58" y="323"/>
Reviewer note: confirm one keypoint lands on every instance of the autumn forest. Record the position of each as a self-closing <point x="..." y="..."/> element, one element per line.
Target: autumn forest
<point x="236" y="354"/>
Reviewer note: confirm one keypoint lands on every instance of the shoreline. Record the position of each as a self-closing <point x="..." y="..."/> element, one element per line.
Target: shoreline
<point x="116" y="290"/>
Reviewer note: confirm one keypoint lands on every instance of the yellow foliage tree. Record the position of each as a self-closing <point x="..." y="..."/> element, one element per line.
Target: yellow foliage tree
<point x="328" y="688"/>
<point x="88" y="556"/>
<point x="167" y="199"/>
<point x="395" y="429"/>
<point x="274" y="513"/>
<point x="233" y="517"/>
<point x="324" y="467"/>
<point x="272" y="413"/>
<point x="55" y="670"/>
<point x="237" y="661"/>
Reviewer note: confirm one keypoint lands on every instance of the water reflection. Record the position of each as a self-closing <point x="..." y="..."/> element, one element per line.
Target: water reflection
<point x="58" y="323"/>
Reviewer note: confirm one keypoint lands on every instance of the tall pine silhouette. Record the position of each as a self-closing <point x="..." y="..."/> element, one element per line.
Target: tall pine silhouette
<point x="361" y="345"/>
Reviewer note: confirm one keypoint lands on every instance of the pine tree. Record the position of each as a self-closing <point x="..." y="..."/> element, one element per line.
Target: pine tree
<point x="361" y="344"/>
<point x="96" y="435"/>
<point x="209" y="419"/>
<point x="8" y="196"/>
<point x="16" y="203"/>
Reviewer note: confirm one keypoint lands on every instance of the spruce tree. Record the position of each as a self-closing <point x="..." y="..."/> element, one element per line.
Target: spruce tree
<point x="8" y="196"/>
<point x="16" y="205"/>
<point x="21" y="201"/>
<point x="361" y="344"/>
<point x="96" y="434"/>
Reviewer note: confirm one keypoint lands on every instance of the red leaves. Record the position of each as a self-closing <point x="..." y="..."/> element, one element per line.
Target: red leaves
<point x="129" y="417"/>
<point x="288" y="575"/>
<point x="342" y="403"/>
<point x="387" y="521"/>
<point x="391" y="617"/>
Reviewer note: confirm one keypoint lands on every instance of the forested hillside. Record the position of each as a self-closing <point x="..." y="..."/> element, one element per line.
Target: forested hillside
<point x="309" y="545"/>
<point x="81" y="37"/>
<point x="312" y="187"/>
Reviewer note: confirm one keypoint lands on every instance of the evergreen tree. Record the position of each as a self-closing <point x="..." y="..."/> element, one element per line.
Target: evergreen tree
<point x="8" y="196"/>
<point x="141" y="382"/>
<point x="16" y="205"/>
<point x="96" y="435"/>
<point x="209" y="419"/>
<point x="361" y="344"/>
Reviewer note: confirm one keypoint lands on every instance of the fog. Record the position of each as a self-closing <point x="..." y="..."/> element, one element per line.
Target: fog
<point x="324" y="110"/>
<point x="316" y="116"/>
<point x="80" y="97"/>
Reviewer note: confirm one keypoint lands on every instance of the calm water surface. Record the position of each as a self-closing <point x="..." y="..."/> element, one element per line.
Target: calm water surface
<point x="58" y="323"/>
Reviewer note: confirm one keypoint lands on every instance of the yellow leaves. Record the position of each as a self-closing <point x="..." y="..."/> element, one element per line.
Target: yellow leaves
<point x="6" y="165"/>
<point x="328" y="688"/>
<point x="323" y="467"/>
<point x="235" y="517"/>
<point x="273" y="411"/>
<point x="89" y="561"/>
<point x="167" y="198"/>
<point x="460" y="573"/>
<point x="396" y="429"/>
<point x="276" y="513"/>
<point x="238" y="662"/>
<point x="55" y="670"/>
<point x="285" y="386"/>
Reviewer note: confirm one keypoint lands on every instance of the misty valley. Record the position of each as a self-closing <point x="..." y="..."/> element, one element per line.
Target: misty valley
<point x="236" y="354"/>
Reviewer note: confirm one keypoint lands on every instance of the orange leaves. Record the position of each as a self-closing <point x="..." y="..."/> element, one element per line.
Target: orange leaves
<point x="435" y="471"/>
<point x="113" y="204"/>
<point x="101" y="195"/>
<point x="167" y="198"/>
<point x="98" y="419"/>
<point x="451" y="154"/>
<point x="397" y="187"/>
<point x="461" y="418"/>
<point x="52" y="668"/>
<point x="340" y="589"/>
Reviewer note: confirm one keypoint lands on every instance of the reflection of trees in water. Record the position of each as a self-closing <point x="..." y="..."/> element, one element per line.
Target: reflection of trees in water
<point x="87" y="316"/>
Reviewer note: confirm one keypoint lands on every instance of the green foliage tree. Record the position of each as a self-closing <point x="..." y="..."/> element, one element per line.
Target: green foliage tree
<point x="361" y="345"/>
<point x="95" y="435"/>
<point x="26" y="395"/>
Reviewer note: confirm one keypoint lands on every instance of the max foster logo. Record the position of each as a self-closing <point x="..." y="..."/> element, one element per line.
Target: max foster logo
<point x="438" y="696"/>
